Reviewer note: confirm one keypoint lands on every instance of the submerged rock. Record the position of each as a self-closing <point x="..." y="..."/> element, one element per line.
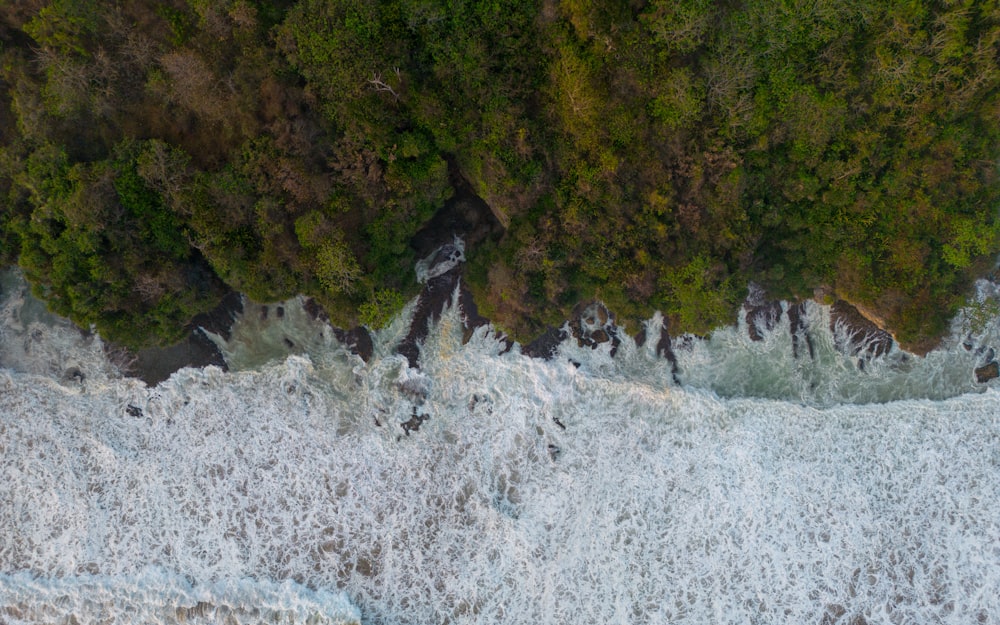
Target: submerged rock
<point x="414" y="422"/>
<point x="987" y="372"/>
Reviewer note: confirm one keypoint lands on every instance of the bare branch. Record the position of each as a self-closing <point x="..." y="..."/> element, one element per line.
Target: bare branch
<point x="380" y="85"/>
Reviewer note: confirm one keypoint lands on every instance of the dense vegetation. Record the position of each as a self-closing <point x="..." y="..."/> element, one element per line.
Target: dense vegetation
<point x="657" y="155"/>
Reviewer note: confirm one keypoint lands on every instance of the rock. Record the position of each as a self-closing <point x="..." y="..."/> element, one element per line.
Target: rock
<point x="433" y="300"/>
<point x="664" y="349"/>
<point x="798" y="329"/>
<point x="155" y="364"/>
<point x="315" y="311"/>
<point x="414" y="422"/>
<point x="856" y="335"/>
<point x="464" y="215"/>
<point x="640" y="337"/>
<point x="357" y="340"/>
<point x="546" y="345"/>
<point x="74" y="374"/>
<point x="987" y="372"/>
<point x="761" y="318"/>
<point x="591" y="324"/>
<point x="220" y="319"/>
<point x="471" y="319"/>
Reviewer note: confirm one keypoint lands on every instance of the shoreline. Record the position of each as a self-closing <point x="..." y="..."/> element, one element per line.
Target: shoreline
<point x="591" y="325"/>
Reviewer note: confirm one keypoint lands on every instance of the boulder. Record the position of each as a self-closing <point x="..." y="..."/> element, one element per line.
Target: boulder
<point x="987" y="372"/>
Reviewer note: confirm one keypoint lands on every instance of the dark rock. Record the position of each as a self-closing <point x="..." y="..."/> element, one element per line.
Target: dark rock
<point x="665" y="350"/>
<point x="987" y="372"/>
<point x="471" y="319"/>
<point x="357" y="340"/>
<point x="546" y="345"/>
<point x="432" y="301"/>
<point x="616" y="341"/>
<point x="280" y="311"/>
<point x="317" y="312"/>
<point x="414" y="422"/>
<point x="133" y="411"/>
<point x="591" y="324"/>
<point x="798" y="329"/>
<point x="73" y="374"/>
<point x="220" y="319"/>
<point x="858" y="336"/>
<point x="155" y="364"/>
<point x="761" y="318"/>
<point x="464" y="215"/>
<point x="288" y="343"/>
<point x="598" y="337"/>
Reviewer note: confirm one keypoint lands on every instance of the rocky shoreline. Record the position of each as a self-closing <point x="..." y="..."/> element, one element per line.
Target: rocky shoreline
<point x="468" y="219"/>
<point x="591" y="325"/>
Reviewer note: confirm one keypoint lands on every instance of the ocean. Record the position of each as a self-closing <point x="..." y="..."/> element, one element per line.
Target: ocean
<point x="305" y="485"/>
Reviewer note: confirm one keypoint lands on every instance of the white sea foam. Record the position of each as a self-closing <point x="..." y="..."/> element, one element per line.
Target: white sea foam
<point x="535" y="492"/>
<point x="156" y="596"/>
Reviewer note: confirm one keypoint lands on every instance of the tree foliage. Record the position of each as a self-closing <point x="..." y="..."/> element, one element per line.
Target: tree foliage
<point x="654" y="154"/>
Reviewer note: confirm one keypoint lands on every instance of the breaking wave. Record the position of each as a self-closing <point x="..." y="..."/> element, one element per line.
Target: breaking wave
<point x="488" y="487"/>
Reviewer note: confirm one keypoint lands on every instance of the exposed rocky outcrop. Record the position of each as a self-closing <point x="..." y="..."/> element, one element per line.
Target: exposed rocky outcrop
<point x="434" y="298"/>
<point x="856" y="334"/>
<point x="761" y="318"/>
<point x="465" y="215"/>
<point x="801" y="341"/>
<point x="472" y="320"/>
<point x="220" y="319"/>
<point x="546" y="345"/>
<point x="155" y="364"/>
<point x="664" y="348"/>
<point x="357" y="339"/>
<point x="592" y="324"/>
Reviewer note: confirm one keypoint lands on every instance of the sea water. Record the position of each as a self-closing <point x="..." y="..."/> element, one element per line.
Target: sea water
<point x="756" y="488"/>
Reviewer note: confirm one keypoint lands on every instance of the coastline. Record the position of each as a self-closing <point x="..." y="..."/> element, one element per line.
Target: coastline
<point x="591" y="326"/>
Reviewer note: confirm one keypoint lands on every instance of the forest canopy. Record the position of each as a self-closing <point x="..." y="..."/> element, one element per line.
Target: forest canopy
<point x="655" y="155"/>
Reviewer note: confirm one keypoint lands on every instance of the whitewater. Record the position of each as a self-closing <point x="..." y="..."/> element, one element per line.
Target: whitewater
<point x="748" y="487"/>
